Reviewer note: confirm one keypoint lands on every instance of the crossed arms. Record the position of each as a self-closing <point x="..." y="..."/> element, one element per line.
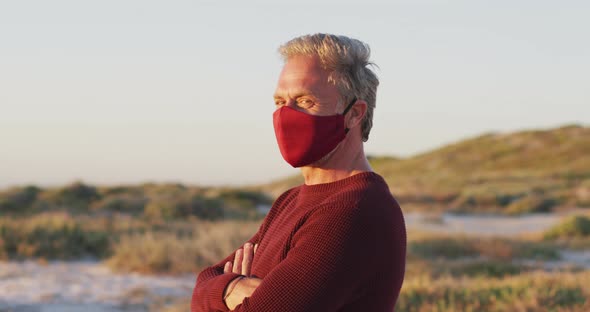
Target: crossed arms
<point x="327" y="260"/>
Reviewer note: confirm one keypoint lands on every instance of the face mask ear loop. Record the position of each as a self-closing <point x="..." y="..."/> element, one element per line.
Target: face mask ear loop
<point x="346" y="111"/>
<point x="349" y="106"/>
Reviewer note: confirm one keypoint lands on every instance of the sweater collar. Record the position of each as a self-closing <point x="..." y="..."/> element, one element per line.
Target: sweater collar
<point x="329" y="187"/>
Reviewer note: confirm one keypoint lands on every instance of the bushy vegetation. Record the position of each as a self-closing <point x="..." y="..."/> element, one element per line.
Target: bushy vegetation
<point x="18" y="199"/>
<point x="53" y="236"/>
<point x="448" y="248"/>
<point x="121" y="203"/>
<point x="150" y="201"/>
<point x="180" y="249"/>
<point x="126" y="243"/>
<point x="530" y="204"/>
<point x="571" y="227"/>
<point x="450" y="273"/>
<point x="533" y="291"/>
<point x="485" y="268"/>
<point x="461" y="246"/>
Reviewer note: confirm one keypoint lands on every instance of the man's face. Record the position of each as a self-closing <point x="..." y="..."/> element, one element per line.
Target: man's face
<point x="303" y="85"/>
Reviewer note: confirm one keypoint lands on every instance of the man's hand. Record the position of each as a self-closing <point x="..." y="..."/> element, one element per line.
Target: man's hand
<point x="242" y="261"/>
<point x="241" y="288"/>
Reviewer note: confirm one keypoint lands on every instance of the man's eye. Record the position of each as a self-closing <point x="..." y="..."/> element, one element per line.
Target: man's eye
<point x="305" y="103"/>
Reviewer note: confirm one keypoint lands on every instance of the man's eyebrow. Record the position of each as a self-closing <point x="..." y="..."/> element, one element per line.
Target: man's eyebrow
<point x="297" y="93"/>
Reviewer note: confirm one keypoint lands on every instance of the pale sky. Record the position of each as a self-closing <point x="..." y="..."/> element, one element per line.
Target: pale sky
<point x="113" y="92"/>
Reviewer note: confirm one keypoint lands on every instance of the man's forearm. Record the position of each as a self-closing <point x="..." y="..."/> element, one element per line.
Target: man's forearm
<point x="238" y="289"/>
<point x="230" y="286"/>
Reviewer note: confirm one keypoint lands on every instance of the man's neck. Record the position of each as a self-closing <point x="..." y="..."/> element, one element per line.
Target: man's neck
<point x="336" y="169"/>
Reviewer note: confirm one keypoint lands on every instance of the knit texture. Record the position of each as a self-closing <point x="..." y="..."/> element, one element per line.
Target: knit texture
<point x="337" y="246"/>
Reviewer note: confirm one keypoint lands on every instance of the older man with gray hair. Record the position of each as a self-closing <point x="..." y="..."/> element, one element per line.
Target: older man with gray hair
<point x="338" y="241"/>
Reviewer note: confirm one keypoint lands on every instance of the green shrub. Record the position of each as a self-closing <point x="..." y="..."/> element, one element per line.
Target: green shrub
<point x="51" y="236"/>
<point x="161" y="210"/>
<point x="245" y="198"/>
<point x="537" y="251"/>
<point x="168" y="208"/>
<point x="125" y="203"/>
<point x="206" y="208"/>
<point x="18" y="200"/>
<point x="74" y="197"/>
<point x="449" y="248"/>
<point x="530" y="204"/>
<point x="494" y="248"/>
<point x="482" y="201"/>
<point x="573" y="226"/>
<point x="484" y="268"/>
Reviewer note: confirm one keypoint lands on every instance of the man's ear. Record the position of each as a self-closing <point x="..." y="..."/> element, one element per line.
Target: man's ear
<point x="356" y="114"/>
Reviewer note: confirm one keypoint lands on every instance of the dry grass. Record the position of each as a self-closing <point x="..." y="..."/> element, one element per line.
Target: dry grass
<point x="448" y="273"/>
<point x="174" y="252"/>
<point x="534" y="291"/>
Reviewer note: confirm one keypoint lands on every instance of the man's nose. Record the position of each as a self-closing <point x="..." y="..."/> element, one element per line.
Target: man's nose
<point x="292" y="104"/>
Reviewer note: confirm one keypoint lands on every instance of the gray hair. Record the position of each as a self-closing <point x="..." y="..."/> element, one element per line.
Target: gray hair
<point x="347" y="62"/>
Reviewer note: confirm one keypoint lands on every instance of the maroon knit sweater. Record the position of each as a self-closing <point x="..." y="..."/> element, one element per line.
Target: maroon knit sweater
<point x="337" y="246"/>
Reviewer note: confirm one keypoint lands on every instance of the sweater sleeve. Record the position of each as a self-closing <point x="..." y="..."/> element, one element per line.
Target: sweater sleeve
<point x="329" y="257"/>
<point x="211" y="283"/>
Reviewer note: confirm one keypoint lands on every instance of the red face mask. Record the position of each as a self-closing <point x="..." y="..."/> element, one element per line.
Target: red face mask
<point x="304" y="138"/>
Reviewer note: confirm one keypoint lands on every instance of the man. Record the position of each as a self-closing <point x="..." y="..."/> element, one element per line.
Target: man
<point x="337" y="242"/>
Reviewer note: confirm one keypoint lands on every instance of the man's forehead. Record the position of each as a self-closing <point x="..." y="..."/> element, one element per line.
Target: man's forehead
<point x="293" y="87"/>
<point x="302" y="74"/>
<point x="310" y="60"/>
<point x="302" y="80"/>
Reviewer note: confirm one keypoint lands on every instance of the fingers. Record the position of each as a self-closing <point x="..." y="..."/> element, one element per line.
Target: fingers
<point x="242" y="260"/>
<point x="237" y="267"/>
<point x="247" y="261"/>
<point x="228" y="267"/>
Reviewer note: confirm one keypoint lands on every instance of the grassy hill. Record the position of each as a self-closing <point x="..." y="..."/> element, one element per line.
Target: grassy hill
<point x="534" y="170"/>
